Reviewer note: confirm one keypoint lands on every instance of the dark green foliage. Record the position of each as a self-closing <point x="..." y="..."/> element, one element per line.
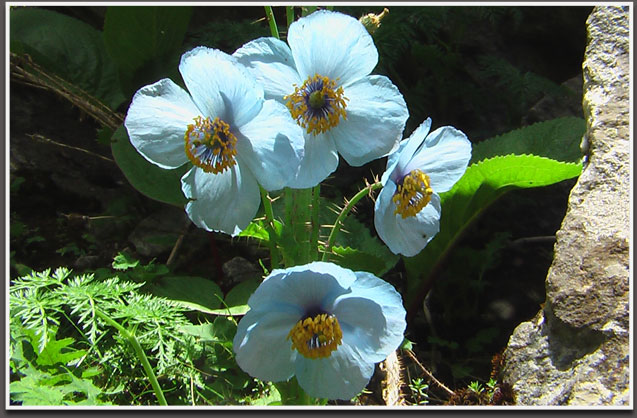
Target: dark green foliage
<point x="67" y="47"/>
<point x="146" y="177"/>
<point x="145" y="42"/>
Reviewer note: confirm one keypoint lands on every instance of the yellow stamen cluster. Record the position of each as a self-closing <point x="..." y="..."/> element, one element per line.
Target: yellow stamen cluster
<point x="316" y="337"/>
<point x="413" y="194"/>
<point x="210" y="145"/>
<point x="317" y="105"/>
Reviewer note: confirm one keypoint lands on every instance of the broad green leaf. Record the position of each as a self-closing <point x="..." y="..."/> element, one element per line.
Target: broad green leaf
<point x="229" y="311"/>
<point x="67" y="47"/>
<point x="190" y="292"/>
<point x="145" y="37"/>
<point x="480" y="186"/>
<point x="240" y="294"/>
<point x="150" y="180"/>
<point x="557" y="139"/>
<point x="358" y="260"/>
<point x="205" y="332"/>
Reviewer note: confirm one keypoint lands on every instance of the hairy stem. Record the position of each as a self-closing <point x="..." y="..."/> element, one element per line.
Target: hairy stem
<point x="269" y="14"/>
<point x="343" y="214"/>
<point x="269" y="224"/>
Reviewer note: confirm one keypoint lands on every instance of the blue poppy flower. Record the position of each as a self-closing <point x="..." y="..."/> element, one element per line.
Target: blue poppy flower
<point x="323" y="78"/>
<point x="234" y="138"/>
<point x="407" y="210"/>
<point x="323" y="323"/>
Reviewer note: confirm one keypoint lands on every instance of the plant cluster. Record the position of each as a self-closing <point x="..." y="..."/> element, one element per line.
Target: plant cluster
<point x="242" y="142"/>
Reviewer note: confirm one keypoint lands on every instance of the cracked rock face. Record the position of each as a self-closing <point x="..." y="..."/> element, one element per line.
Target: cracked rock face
<point x="576" y="350"/>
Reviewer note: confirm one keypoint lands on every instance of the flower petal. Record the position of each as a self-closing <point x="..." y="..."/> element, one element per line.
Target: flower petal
<point x="271" y="144"/>
<point x="376" y="116"/>
<point x="407" y="149"/>
<point x="261" y="345"/>
<point x="225" y="202"/>
<point x="342" y="375"/>
<point x="333" y="45"/>
<point x="372" y="316"/>
<point x="220" y="86"/>
<point x="320" y="159"/>
<point x="306" y="286"/>
<point x="157" y="120"/>
<point x="410" y="235"/>
<point x="444" y="157"/>
<point x="271" y="62"/>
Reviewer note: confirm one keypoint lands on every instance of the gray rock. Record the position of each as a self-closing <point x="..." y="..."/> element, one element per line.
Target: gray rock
<point x="576" y="350"/>
<point x="238" y="269"/>
<point x="158" y="233"/>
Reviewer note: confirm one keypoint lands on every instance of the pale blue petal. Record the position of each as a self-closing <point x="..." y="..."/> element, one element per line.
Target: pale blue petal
<point x="342" y="375"/>
<point x="333" y="45"/>
<point x="320" y="159"/>
<point x="307" y="286"/>
<point x="271" y="62"/>
<point x="225" y="202"/>
<point x="261" y="345"/>
<point x="444" y="157"/>
<point x="372" y="316"/>
<point x="410" y="235"/>
<point x="220" y="86"/>
<point x="157" y="120"/>
<point x="408" y="148"/>
<point x="271" y="144"/>
<point x="376" y="116"/>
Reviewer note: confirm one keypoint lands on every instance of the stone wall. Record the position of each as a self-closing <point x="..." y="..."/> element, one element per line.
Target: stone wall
<point x="576" y="350"/>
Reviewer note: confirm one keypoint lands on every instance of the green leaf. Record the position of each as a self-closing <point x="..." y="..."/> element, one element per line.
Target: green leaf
<point x="53" y="352"/>
<point x="240" y="294"/>
<point x="144" y="37"/>
<point x="256" y="229"/>
<point x="362" y="251"/>
<point x="150" y="180"/>
<point x="481" y="185"/>
<point x="29" y="391"/>
<point x="357" y="260"/>
<point x="557" y="139"/>
<point x="69" y="48"/>
<point x="124" y="261"/>
<point x="191" y="292"/>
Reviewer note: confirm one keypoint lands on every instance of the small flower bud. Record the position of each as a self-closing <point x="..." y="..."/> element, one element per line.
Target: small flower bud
<point x="371" y="21"/>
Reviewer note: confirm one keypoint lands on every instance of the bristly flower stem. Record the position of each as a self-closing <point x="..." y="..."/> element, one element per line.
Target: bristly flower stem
<point x="289" y="14"/>
<point x="269" y="14"/>
<point x="343" y="214"/>
<point x="269" y="224"/>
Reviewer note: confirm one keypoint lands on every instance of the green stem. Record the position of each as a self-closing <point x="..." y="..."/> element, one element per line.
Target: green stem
<point x="344" y="212"/>
<point x="302" y="225"/>
<point x="140" y="354"/>
<point x="269" y="14"/>
<point x="269" y="224"/>
<point x="306" y="10"/>
<point x="289" y="14"/>
<point x="314" y="218"/>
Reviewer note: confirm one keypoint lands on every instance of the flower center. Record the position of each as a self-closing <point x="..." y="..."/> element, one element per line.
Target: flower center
<point x="210" y="145"/>
<point x="412" y="194"/>
<point x="318" y="105"/>
<point x="316" y="337"/>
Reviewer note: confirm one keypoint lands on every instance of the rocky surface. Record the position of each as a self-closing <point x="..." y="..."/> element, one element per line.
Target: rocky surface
<point x="576" y="350"/>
